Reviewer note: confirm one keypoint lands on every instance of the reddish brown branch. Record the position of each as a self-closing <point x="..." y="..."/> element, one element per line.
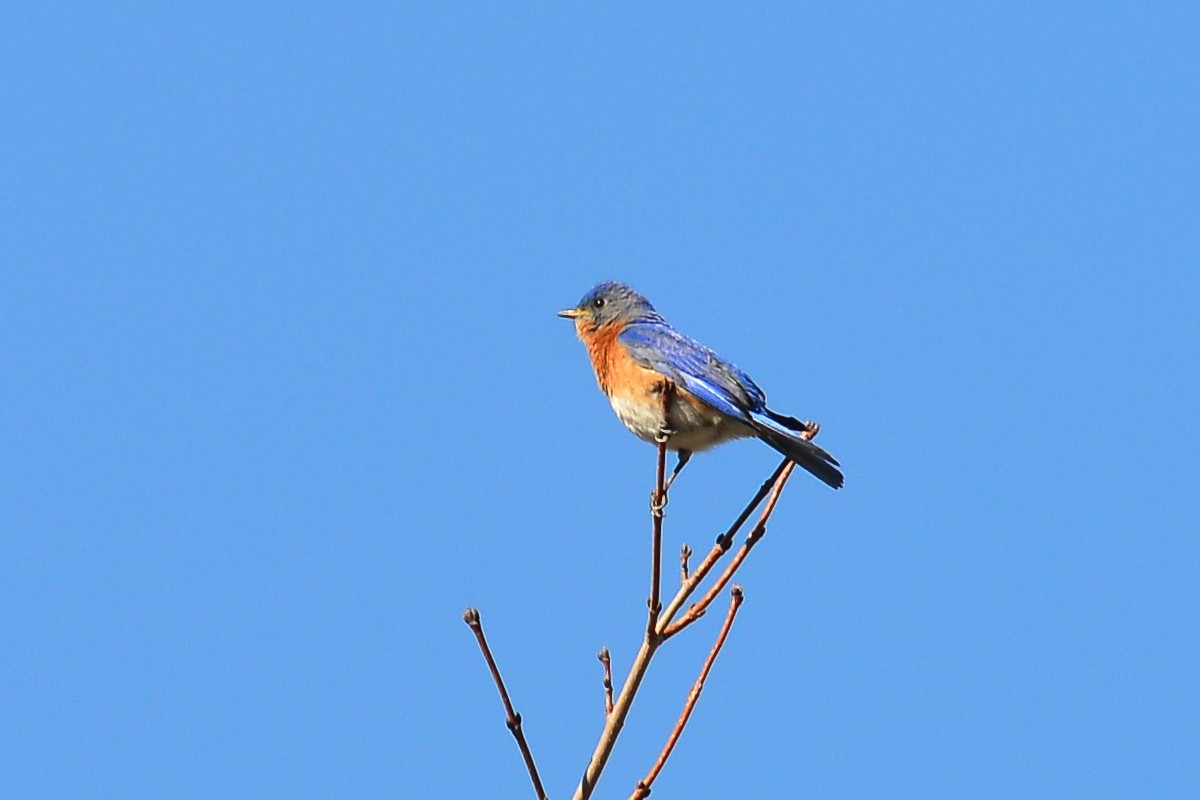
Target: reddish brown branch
<point x="606" y="660"/>
<point x="658" y="503"/>
<point x="685" y="555"/>
<point x="643" y="788"/>
<point x="762" y="492"/>
<point x="760" y="528"/>
<point x="512" y="718"/>
<point x="722" y="546"/>
<point x="615" y="721"/>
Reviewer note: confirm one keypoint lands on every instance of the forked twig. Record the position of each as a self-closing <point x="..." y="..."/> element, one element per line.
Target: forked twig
<point x="606" y="660"/>
<point x="661" y="623"/>
<point x="615" y="721"/>
<point x="512" y="718"/>
<point x="643" y="788"/>
<point x="760" y="528"/>
<point x="723" y="543"/>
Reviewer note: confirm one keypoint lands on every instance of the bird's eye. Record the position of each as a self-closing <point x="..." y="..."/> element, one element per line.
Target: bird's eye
<point x="598" y="302"/>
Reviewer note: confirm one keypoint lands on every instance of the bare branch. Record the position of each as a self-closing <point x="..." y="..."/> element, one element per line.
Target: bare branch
<point x="658" y="503"/>
<point x="723" y="543"/>
<point x="512" y="718"/>
<point x="615" y="721"/>
<point x="760" y="528"/>
<point x="643" y="788"/>
<point x="685" y="553"/>
<point x="606" y="660"/>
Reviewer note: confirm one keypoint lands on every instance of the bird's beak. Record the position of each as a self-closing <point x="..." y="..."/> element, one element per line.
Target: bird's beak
<point x="570" y="313"/>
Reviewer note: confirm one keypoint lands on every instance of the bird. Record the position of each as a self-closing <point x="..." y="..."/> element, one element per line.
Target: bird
<point x="637" y="357"/>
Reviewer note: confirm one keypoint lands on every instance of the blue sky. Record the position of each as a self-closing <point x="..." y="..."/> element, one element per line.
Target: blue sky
<point x="284" y="393"/>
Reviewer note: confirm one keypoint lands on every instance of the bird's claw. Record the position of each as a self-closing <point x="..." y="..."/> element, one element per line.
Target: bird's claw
<point x="811" y="429"/>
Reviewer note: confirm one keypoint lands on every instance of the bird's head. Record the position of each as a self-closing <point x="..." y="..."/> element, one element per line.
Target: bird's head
<point x="607" y="303"/>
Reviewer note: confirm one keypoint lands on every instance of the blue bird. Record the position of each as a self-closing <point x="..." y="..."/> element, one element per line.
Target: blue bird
<point x="636" y="355"/>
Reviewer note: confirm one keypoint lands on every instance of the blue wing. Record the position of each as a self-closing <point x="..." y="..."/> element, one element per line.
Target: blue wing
<point x="694" y="367"/>
<point x="726" y="388"/>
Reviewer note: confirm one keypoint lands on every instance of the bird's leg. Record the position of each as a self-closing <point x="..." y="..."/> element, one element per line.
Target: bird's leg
<point x="810" y="430"/>
<point x="684" y="457"/>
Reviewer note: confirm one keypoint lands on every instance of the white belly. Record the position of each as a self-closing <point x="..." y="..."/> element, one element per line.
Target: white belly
<point x="695" y="426"/>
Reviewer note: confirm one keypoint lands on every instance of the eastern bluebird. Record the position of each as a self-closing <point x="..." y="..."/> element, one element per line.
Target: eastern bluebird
<point x="636" y="354"/>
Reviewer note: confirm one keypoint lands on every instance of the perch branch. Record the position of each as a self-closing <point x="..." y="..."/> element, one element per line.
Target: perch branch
<point x="660" y="621"/>
<point x="643" y="788"/>
<point x="614" y="721"/>
<point x="512" y="718"/>
<point x="658" y="504"/>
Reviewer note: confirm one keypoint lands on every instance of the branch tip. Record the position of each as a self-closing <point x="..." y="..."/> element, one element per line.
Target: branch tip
<point x="512" y="720"/>
<point x="606" y="661"/>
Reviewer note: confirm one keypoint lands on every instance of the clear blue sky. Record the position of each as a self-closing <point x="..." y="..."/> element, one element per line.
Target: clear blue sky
<point x="283" y="392"/>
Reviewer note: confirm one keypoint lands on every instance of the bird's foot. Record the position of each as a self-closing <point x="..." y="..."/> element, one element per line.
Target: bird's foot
<point x="811" y="429"/>
<point x="658" y="502"/>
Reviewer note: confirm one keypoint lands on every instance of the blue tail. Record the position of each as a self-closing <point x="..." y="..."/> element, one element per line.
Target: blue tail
<point x="803" y="452"/>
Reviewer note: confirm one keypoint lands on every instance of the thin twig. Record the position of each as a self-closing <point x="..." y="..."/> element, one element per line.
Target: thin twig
<point x="762" y="492"/>
<point x="658" y="504"/>
<point x="723" y="543"/>
<point x="643" y="788"/>
<point x="685" y="553"/>
<point x="606" y="660"/>
<point x="760" y="528"/>
<point x="512" y="719"/>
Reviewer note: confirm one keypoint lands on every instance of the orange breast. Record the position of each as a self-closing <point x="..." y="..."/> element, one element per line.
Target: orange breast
<point x="616" y="372"/>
